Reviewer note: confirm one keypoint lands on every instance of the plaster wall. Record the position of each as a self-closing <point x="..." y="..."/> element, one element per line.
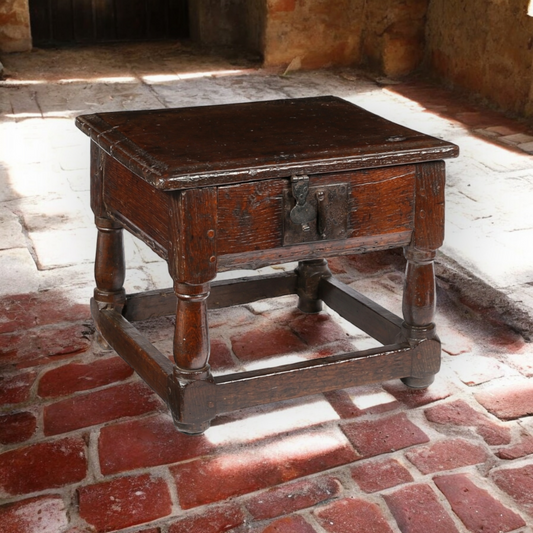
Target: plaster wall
<point x="15" y="33"/>
<point x="485" y="47"/>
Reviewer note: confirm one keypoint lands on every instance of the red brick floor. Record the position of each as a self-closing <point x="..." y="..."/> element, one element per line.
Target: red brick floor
<point x="85" y="447"/>
<point x="89" y="448"/>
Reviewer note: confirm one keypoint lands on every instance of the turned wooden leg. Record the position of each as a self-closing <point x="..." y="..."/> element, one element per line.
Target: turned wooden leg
<point x="191" y="337"/>
<point x="418" y="313"/>
<point x="192" y="264"/>
<point x="109" y="269"/>
<point x="309" y="275"/>
<point x="109" y="266"/>
<point x="419" y="288"/>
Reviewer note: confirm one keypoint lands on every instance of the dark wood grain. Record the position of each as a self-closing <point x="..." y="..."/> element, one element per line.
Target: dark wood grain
<point x="211" y="189"/>
<point x="109" y="264"/>
<point x="419" y="289"/>
<point x="61" y="20"/>
<point x="192" y="261"/>
<point x="419" y="298"/>
<point x="97" y="184"/>
<point x="384" y="204"/>
<point x="430" y="181"/>
<point x="127" y="198"/>
<point x="193" y="252"/>
<point x="83" y="21"/>
<point x="367" y="315"/>
<point x="246" y="389"/>
<point x="224" y="293"/>
<point x="220" y="145"/>
<point x="151" y="365"/>
<point x="191" y="334"/>
<point x="250" y="216"/>
<point x="315" y="250"/>
<point x="310" y="274"/>
<point x="41" y="28"/>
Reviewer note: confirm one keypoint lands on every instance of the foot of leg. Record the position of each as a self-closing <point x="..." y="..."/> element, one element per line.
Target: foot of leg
<point x="419" y="383"/>
<point x="192" y="400"/>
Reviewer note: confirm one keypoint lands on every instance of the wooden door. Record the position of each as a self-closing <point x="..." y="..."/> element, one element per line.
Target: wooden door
<point x="56" y="22"/>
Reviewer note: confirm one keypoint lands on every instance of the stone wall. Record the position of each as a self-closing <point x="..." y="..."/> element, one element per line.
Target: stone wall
<point x="315" y="33"/>
<point x="387" y="35"/>
<point x="485" y="47"/>
<point x="394" y="35"/>
<point x="15" y="34"/>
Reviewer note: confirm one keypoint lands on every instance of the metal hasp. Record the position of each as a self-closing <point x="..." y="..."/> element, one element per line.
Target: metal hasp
<point x="303" y="212"/>
<point x="320" y="212"/>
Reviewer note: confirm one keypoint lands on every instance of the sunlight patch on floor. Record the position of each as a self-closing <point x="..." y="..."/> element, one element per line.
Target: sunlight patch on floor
<point x="267" y="423"/>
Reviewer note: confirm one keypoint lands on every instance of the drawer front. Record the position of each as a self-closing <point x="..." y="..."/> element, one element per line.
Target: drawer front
<point x="366" y="203"/>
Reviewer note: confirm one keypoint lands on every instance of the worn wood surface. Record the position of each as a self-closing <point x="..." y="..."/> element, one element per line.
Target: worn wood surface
<point x="191" y="346"/>
<point x="315" y="250"/>
<point x="97" y="183"/>
<point x="246" y="389"/>
<point x="367" y="315"/>
<point x="211" y="189"/>
<point x="109" y="264"/>
<point x="429" y="200"/>
<point x="193" y="235"/>
<point x="224" y="293"/>
<point x="310" y="274"/>
<point x="151" y="365"/>
<point x="145" y="210"/>
<point x="251" y="218"/>
<point x="419" y="294"/>
<point x="220" y="145"/>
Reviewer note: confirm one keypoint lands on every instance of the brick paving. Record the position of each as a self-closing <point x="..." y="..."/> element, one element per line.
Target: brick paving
<point x="86" y="447"/>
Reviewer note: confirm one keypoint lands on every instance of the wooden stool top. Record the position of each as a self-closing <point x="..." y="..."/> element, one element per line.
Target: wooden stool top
<point x="218" y="145"/>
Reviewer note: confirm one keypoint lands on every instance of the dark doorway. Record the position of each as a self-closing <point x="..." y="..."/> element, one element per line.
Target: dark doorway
<point x="63" y="22"/>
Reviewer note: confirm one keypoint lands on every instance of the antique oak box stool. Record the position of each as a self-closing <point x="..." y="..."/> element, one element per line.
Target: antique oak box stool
<point x="247" y="185"/>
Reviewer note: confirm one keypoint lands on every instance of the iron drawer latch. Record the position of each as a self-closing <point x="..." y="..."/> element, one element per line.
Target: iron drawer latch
<point x="303" y="212"/>
<point x="315" y="212"/>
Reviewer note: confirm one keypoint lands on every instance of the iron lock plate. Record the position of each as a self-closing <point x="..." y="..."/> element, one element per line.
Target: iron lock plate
<point x="314" y="213"/>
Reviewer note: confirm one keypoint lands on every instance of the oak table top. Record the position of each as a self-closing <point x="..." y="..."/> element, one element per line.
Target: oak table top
<point x="223" y="144"/>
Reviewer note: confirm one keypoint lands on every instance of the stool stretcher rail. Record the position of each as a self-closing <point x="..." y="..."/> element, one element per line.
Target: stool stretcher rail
<point x="223" y="394"/>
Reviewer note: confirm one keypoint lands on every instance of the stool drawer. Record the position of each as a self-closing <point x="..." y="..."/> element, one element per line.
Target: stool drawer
<point x="257" y="216"/>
